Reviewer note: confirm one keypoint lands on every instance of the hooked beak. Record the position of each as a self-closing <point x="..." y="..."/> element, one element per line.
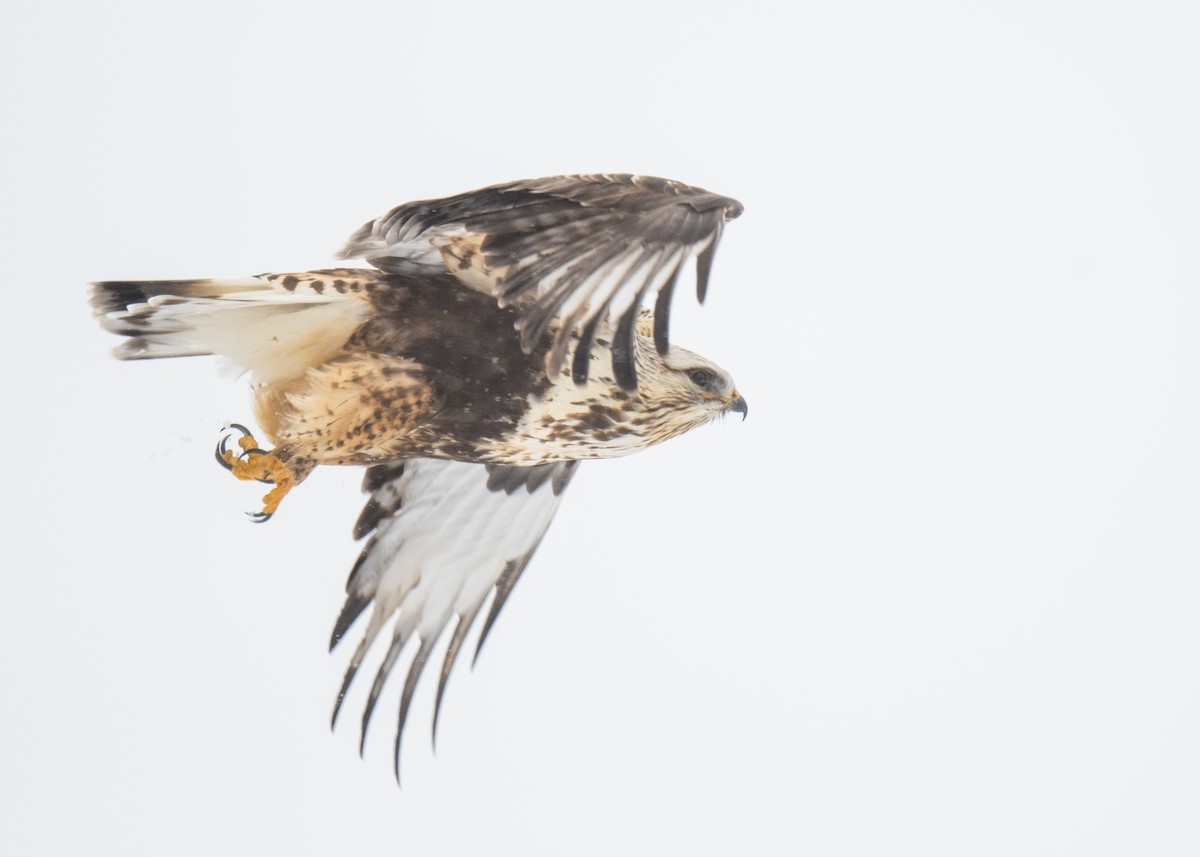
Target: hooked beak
<point x="738" y="405"/>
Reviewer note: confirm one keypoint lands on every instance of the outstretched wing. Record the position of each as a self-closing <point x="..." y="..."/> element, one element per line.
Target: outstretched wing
<point x="444" y="534"/>
<point x="571" y="249"/>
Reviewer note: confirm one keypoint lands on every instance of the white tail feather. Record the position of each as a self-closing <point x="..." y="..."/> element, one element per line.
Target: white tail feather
<point x="271" y="332"/>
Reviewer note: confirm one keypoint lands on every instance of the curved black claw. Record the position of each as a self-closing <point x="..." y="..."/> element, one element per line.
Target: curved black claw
<point x="221" y="453"/>
<point x="260" y="517"/>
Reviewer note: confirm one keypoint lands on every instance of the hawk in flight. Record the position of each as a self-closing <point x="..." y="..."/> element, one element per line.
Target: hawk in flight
<point x="499" y="339"/>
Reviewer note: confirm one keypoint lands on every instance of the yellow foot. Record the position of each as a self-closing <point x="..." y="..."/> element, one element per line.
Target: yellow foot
<point x="255" y="463"/>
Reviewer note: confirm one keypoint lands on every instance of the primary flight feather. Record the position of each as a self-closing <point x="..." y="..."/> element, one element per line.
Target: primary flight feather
<point x="500" y="339"/>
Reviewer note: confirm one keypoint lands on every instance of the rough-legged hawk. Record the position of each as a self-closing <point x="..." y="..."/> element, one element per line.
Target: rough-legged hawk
<point x="499" y="340"/>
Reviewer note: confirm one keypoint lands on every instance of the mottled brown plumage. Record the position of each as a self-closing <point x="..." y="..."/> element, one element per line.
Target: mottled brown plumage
<point x="503" y="327"/>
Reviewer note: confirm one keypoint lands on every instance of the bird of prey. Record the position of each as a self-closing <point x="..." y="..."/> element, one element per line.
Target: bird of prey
<point x="499" y="339"/>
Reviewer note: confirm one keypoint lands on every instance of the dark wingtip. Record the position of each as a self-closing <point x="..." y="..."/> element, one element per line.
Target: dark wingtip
<point x="351" y="610"/>
<point x="378" y="475"/>
<point x="410" y="686"/>
<point x="465" y="621"/>
<point x="504" y="586"/>
<point x="622" y="350"/>
<point x="368" y="519"/>
<point x="662" y="312"/>
<point x="381" y="675"/>
<point x="488" y="621"/>
<point x="351" y="671"/>
<point x="626" y="375"/>
<point x="581" y="362"/>
<point x="704" y="268"/>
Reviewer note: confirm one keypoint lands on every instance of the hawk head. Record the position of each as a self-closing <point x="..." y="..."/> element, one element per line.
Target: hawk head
<point x="681" y="390"/>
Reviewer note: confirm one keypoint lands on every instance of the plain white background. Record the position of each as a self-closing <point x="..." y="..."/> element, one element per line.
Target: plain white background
<point x="936" y="596"/>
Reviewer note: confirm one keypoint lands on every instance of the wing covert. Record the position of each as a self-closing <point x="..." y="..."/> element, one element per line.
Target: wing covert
<point x="572" y="251"/>
<point x="443" y="535"/>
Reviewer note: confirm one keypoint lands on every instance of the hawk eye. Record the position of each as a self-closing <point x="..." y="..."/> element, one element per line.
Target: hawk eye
<point x="701" y="377"/>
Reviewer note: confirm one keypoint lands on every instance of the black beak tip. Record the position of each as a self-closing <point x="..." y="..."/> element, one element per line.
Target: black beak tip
<point x="739" y="406"/>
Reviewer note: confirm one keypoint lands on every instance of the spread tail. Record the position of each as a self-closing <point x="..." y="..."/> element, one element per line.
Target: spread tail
<point x="253" y="322"/>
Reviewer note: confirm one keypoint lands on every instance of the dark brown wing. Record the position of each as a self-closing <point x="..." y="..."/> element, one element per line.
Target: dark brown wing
<point x="572" y="251"/>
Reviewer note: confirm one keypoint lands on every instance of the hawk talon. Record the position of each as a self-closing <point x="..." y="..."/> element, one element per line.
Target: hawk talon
<point x="220" y="453"/>
<point x="221" y="447"/>
<point x="254" y="463"/>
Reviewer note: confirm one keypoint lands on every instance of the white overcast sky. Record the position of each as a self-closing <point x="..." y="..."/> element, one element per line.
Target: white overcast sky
<point x="938" y="595"/>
